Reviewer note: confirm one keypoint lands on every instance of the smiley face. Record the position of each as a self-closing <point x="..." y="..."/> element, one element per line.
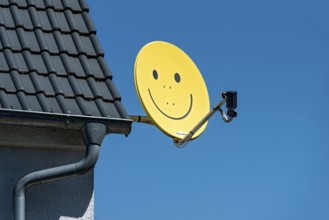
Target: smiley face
<point x="169" y="104"/>
<point x="170" y="88"/>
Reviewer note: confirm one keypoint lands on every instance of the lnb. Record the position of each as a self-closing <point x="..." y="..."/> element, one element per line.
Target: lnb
<point x="231" y="98"/>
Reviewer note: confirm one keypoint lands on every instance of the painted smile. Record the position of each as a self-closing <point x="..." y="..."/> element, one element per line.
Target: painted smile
<point x="168" y="116"/>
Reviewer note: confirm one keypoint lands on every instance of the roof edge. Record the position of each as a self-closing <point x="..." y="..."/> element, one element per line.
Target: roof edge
<point x="62" y="121"/>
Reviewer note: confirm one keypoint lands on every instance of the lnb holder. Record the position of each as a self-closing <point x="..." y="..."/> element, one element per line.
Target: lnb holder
<point x="231" y="100"/>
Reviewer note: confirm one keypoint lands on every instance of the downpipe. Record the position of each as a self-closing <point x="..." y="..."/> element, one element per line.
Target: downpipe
<point x="93" y="135"/>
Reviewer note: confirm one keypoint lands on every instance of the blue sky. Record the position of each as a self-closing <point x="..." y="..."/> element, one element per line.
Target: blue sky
<point x="269" y="163"/>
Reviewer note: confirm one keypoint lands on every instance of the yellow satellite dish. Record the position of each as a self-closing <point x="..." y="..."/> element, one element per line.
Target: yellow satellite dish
<point x="171" y="89"/>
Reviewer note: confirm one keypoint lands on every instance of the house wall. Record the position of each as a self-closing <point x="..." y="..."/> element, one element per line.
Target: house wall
<point x="37" y="149"/>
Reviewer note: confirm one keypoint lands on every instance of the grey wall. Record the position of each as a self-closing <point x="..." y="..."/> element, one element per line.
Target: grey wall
<point x="65" y="199"/>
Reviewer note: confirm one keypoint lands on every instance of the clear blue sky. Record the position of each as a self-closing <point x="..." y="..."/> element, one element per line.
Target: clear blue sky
<point x="272" y="161"/>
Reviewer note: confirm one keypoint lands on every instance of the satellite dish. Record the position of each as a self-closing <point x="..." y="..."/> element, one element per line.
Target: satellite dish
<point x="173" y="93"/>
<point x="171" y="89"/>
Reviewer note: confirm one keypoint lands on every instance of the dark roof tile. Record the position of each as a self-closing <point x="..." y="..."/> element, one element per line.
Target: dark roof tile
<point x="68" y="44"/>
<point x="87" y="46"/>
<point x="95" y="68"/>
<point x="13" y="39"/>
<point x="97" y="45"/>
<point x="84" y="5"/>
<point x="35" y="18"/>
<point x="51" y="103"/>
<point x="40" y="4"/>
<point x="66" y="87"/>
<point x="72" y="5"/>
<point x="38" y="64"/>
<point x="27" y="84"/>
<point x="62" y="22"/>
<point x="13" y="101"/>
<point x="113" y="90"/>
<point x="6" y="83"/>
<point x="7" y="17"/>
<point x="51" y="43"/>
<point x="103" y="89"/>
<point x="73" y="106"/>
<point x="57" y="5"/>
<point x="4" y="99"/>
<point x="80" y="23"/>
<point x="21" y="3"/>
<point x="26" y="21"/>
<point x="121" y="110"/>
<point x="4" y="3"/>
<point x="34" y="103"/>
<point x="20" y="62"/>
<point x="4" y="38"/>
<point x="69" y="18"/>
<point x="29" y="41"/>
<point x="89" y="24"/>
<point x="45" y="23"/>
<point x="84" y="89"/>
<point x="105" y="68"/>
<point x="46" y="86"/>
<point x="59" y="67"/>
<point x="15" y="12"/>
<point x="3" y="64"/>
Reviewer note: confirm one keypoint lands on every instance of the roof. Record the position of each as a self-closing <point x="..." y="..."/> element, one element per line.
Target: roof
<point x="52" y="62"/>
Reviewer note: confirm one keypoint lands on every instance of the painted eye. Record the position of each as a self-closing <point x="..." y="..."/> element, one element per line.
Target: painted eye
<point x="155" y="74"/>
<point x="177" y="77"/>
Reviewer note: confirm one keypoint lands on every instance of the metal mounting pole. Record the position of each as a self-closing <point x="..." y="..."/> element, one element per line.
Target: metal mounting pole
<point x="182" y="142"/>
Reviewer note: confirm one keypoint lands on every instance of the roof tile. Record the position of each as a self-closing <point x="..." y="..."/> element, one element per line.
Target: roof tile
<point x="40" y="4"/>
<point x="89" y="24"/>
<point x="52" y="103"/>
<point x="20" y="61"/>
<point x="87" y="46"/>
<point x="21" y="3"/>
<point x="57" y="5"/>
<point x="95" y="69"/>
<point x="62" y="22"/>
<point x="13" y="39"/>
<point x="26" y="19"/>
<point x="59" y="67"/>
<point x="12" y="101"/>
<point x="4" y="38"/>
<point x="38" y="64"/>
<point x="29" y="41"/>
<point x="72" y="5"/>
<point x="16" y="16"/>
<point x="27" y="84"/>
<point x="84" y="89"/>
<point x="66" y="87"/>
<point x="3" y="64"/>
<point x="4" y="3"/>
<point x="8" y="86"/>
<point x="7" y="17"/>
<point x="51" y="43"/>
<point x="73" y="106"/>
<point x="45" y="23"/>
<point x="83" y="5"/>
<point x="34" y="103"/>
<point x="4" y="99"/>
